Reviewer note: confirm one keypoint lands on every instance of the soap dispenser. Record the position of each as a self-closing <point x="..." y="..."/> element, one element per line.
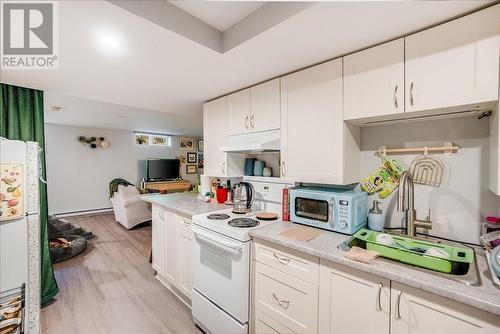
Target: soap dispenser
<point x="376" y="218"/>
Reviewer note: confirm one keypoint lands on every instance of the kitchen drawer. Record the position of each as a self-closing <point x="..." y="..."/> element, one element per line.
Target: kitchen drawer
<point x="289" y="261"/>
<point x="292" y="302"/>
<point x="184" y="224"/>
<point x="264" y="324"/>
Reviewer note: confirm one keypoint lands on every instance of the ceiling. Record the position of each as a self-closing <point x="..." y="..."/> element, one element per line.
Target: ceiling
<point x="83" y="112"/>
<point x="111" y="55"/>
<point x="219" y="14"/>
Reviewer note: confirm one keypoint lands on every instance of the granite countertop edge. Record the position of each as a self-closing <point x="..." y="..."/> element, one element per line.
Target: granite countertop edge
<point x="174" y="202"/>
<point x="390" y="271"/>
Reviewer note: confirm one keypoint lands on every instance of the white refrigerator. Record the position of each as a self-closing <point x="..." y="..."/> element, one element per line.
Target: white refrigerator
<point x="19" y="236"/>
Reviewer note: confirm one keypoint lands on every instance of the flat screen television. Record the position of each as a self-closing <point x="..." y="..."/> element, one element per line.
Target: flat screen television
<point x="163" y="169"/>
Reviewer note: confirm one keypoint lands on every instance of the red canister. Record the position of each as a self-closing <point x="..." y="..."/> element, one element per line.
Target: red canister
<point x="221" y="195"/>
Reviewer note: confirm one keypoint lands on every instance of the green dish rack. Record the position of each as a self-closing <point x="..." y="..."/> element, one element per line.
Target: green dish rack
<point x="401" y="250"/>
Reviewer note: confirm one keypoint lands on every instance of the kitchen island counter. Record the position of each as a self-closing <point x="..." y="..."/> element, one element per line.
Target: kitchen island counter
<point x="184" y="204"/>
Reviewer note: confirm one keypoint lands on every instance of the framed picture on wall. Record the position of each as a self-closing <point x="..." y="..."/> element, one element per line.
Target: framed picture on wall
<point x="191" y="157"/>
<point x="201" y="146"/>
<point x="201" y="160"/>
<point x="187" y="143"/>
<point x="191" y="169"/>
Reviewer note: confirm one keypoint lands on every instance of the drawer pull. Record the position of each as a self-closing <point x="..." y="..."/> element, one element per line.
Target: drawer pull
<point x="282" y="260"/>
<point x="282" y="303"/>
<point x="379" y="304"/>
<point x="398" y="305"/>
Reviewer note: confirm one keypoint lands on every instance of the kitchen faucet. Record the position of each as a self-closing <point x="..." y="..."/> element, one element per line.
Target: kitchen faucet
<point x="406" y="204"/>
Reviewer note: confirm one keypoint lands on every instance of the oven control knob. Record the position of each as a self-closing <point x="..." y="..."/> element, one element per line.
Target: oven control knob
<point x="343" y="224"/>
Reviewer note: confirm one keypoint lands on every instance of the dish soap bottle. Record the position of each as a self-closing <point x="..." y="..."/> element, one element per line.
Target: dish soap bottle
<point x="376" y="218"/>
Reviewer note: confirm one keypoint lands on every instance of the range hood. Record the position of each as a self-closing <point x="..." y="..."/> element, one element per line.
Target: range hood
<point x="258" y="142"/>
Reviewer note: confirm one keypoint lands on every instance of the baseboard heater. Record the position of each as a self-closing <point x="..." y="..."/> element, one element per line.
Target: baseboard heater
<point x="82" y="212"/>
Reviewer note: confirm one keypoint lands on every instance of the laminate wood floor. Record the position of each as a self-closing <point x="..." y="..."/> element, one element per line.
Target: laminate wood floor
<point x="110" y="288"/>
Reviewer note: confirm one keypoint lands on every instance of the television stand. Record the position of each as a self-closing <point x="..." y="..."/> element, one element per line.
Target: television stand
<point x="166" y="186"/>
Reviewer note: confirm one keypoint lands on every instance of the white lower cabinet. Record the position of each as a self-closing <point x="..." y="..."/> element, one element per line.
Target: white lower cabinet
<point x="172" y="252"/>
<point x="264" y="324"/>
<point x="185" y="250"/>
<point x="291" y="301"/>
<point x="158" y="240"/>
<point x="418" y="312"/>
<point x="352" y="301"/>
<point x="347" y="300"/>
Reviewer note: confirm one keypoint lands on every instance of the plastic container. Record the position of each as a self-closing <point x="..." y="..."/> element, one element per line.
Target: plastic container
<point x="456" y="254"/>
<point x="258" y="168"/>
<point x="221" y="195"/>
<point x="492" y="224"/>
<point x="249" y="166"/>
<point x="376" y="217"/>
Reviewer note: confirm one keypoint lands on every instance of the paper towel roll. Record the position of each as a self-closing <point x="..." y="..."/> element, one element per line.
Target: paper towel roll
<point x="205" y="184"/>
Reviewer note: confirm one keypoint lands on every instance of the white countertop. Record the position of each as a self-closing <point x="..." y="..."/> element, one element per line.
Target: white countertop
<point x="485" y="297"/>
<point x="184" y="204"/>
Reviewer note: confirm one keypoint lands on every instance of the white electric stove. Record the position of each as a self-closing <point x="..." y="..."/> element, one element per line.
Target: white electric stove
<point x="229" y="224"/>
<point x="221" y="263"/>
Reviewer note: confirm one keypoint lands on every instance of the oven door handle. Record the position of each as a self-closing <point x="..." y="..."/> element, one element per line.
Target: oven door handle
<point x="219" y="243"/>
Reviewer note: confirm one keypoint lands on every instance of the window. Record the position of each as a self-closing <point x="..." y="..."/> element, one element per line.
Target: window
<point x="153" y="139"/>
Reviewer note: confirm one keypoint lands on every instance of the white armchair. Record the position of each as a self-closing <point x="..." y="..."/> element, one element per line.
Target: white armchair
<point x="129" y="209"/>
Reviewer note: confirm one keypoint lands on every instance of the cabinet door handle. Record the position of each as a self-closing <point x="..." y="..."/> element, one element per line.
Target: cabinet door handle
<point x="283" y="171"/>
<point x="396" y="96"/>
<point x="398" y="306"/>
<point x="282" y="303"/>
<point x="252" y="121"/>
<point x="224" y="167"/>
<point x="411" y="94"/>
<point x="379" y="303"/>
<point x="281" y="260"/>
<point x="246" y="122"/>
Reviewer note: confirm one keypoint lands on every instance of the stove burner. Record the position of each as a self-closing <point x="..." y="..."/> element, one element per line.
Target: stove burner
<point x="243" y="222"/>
<point x="240" y="212"/>
<point x="218" y="216"/>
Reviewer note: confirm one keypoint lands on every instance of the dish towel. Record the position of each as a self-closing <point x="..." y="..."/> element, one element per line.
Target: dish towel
<point x="362" y="255"/>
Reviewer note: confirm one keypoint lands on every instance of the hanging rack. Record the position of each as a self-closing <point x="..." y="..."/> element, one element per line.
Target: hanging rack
<point x="447" y="149"/>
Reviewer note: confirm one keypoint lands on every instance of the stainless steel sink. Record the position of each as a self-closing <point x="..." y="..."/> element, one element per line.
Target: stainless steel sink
<point x="467" y="273"/>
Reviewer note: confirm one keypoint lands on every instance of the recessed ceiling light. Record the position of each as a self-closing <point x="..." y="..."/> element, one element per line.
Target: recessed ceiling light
<point x="109" y="41"/>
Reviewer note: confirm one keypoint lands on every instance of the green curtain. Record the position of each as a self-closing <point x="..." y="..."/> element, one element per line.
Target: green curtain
<point x="21" y="118"/>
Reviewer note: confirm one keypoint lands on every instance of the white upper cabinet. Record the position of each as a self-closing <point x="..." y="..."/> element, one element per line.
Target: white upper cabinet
<point x="374" y="81"/>
<point x="238" y="112"/>
<point x="214" y="136"/>
<point x="265" y="106"/>
<point x="254" y="109"/>
<point x="494" y="175"/>
<point x="454" y="66"/>
<point x="218" y="163"/>
<point x="316" y="146"/>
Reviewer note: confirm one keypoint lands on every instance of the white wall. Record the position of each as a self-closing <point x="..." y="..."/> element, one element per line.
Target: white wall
<point x="463" y="199"/>
<point x="78" y="176"/>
